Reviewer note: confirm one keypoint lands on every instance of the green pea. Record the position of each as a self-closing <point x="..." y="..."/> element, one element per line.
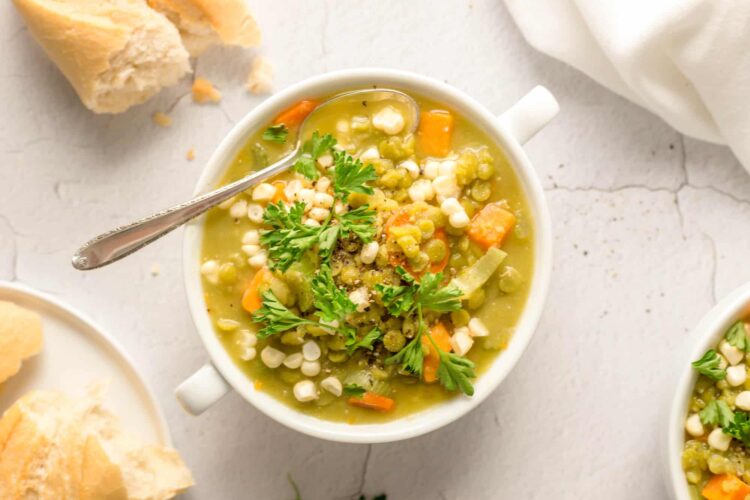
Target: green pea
<point x="228" y="273"/>
<point x="457" y="260"/>
<point x="481" y="191"/>
<point x="337" y="356"/>
<point x="460" y="317"/>
<point x="290" y="377"/>
<point x="438" y="218"/>
<point x="409" y="328"/>
<point x="392" y="178"/>
<point x="426" y="227"/>
<point x="476" y="299"/>
<point x="294" y="337"/>
<point x="485" y="171"/>
<point x="510" y="280"/>
<point x="394" y="340"/>
<point x="336" y="342"/>
<point x="409" y="246"/>
<point x="349" y="274"/>
<point x="436" y="250"/>
<point x="420" y="262"/>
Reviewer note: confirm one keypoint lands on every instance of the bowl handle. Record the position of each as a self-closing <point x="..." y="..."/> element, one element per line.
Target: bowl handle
<point x="530" y="114"/>
<point x="201" y="390"/>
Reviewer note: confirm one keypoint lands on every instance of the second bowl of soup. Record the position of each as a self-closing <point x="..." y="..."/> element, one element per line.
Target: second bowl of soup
<point x="385" y="276"/>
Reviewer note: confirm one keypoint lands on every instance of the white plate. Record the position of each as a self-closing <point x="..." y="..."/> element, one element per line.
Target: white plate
<point x="77" y="354"/>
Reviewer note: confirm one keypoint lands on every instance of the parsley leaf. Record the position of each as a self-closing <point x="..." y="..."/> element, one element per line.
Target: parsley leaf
<point x="454" y="372"/>
<point x="739" y="428"/>
<point x="410" y="357"/>
<point x="436" y="298"/>
<point x="365" y="342"/>
<point x="328" y="238"/>
<point x="737" y="336"/>
<point x="289" y="239"/>
<point x="354" y="390"/>
<point x="276" y="316"/>
<point x="350" y="176"/>
<point x="332" y="303"/>
<point x="276" y="133"/>
<point x="313" y="149"/>
<point x="399" y="300"/>
<point x="716" y="412"/>
<point x="360" y="221"/>
<point x="708" y="365"/>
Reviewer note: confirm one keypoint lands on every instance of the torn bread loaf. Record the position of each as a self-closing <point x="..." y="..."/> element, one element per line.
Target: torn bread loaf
<point x="115" y="53"/>
<point x="20" y="338"/>
<point x="203" y="23"/>
<point x="52" y="446"/>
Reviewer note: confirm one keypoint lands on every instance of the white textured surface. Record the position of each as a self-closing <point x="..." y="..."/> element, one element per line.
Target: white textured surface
<point x="650" y="228"/>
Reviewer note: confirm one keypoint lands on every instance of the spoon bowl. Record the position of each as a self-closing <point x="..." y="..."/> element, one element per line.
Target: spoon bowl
<point x="122" y="241"/>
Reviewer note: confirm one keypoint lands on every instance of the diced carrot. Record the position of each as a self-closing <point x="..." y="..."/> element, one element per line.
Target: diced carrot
<point x="435" y="132"/>
<point x="251" y="297"/>
<point x="293" y="116"/>
<point x="373" y="401"/>
<point x="491" y="225"/>
<point x="442" y="338"/>
<point x="726" y="487"/>
<point x="439" y="266"/>
<point x="280" y="194"/>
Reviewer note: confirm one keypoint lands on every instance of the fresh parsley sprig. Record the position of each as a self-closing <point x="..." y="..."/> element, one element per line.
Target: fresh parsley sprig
<point x="289" y="239"/>
<point x="710" y="366"/>
<point x="716" y="412"/>
<point x="739" y="427"/>
<point x="276" y="316"/>
<point x="332" y="303"/>
<point x="411" y="357"/>
<point x="454" y="371"/>
<point x="360" y="221"/>
<point x="313" y="149"/>
<point x="276" y="133"/>
<point x="366" y="342"/>
<point x="402" y="300"/>
<point x="737" y="336"/>
<point x="351" y="176"/>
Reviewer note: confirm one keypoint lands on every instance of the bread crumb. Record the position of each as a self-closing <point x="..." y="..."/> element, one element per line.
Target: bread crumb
<point x="190" y="154"/>
<point x="162" y="119"/>
<point x="155" y="269"/>
<point x="260" y="78"/>
<point x="204" y="91"/>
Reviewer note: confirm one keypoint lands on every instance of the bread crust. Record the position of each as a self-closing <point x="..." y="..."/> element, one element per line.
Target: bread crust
<point x="20" y="338"/>
<point x="52" y="446"/>
<point x="82" y="37"/>
<point x="203" y="23"/>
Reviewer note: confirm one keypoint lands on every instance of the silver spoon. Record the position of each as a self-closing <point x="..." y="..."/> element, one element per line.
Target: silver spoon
<point x="122" y="241"/>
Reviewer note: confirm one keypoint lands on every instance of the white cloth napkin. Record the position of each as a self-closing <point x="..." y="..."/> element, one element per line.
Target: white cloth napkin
<point x="688" y="61"/>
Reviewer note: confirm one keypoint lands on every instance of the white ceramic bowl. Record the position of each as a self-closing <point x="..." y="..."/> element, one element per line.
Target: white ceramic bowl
<point x="705" y="336"/>
<point x="509" y="131"/>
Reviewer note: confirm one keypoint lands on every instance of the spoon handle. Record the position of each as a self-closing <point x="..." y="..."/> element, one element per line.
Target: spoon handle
<point x="122" y="241"/>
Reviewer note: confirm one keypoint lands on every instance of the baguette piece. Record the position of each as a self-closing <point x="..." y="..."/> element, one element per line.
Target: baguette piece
<point x="115" y="53"/>
<point x="52" y="446"/>
<point x="20" y="338"/>
<point x="203" y="23"/>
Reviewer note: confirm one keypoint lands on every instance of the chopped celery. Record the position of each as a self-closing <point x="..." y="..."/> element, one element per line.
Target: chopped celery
<point x="473" y="278"/>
